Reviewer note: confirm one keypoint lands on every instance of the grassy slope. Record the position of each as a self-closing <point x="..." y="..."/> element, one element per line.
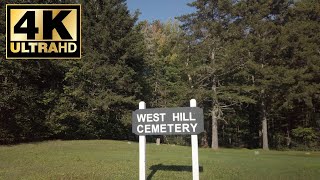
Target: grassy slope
<point x="119" y="160"/>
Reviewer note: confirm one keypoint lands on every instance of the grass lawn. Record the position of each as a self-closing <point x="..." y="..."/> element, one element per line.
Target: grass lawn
<point x="105" y="159"/>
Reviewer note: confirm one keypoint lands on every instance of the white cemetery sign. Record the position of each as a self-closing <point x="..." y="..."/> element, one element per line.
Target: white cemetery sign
<point x="168" y="121"/>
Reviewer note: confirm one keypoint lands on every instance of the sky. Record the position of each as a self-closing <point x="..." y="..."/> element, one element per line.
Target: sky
<point x="159" y="9"/>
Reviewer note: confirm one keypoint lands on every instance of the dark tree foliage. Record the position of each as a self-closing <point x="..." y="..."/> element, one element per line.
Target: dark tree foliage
<point x="271" y="46"/>
<point x="103" y="87"/>
<point x="253" y="66"/>
<point x="28" y="90"/>
<point x="90" y="98"/>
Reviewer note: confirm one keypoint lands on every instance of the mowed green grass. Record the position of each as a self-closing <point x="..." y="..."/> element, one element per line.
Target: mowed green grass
<point x="105" y="159"/>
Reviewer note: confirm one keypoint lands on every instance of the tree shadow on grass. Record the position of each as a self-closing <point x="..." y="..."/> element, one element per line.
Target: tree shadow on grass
<point x="161" y="167"/>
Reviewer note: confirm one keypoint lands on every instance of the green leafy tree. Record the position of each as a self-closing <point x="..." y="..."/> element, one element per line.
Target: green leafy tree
<point x="165" y="68"/>
<point x="211" y="33"/>
<point x="298" y="71"/>
<point x="103" y="87"/>
<point x="28" y="89"/>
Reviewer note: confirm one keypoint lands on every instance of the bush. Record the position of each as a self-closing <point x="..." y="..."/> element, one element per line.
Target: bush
<point x="306" y="136"/>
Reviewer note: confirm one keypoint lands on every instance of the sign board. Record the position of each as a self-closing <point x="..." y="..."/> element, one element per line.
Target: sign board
<point x="168" y="121"/>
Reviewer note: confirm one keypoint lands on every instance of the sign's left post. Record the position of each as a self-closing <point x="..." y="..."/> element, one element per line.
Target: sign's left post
<point x="142" y="150"/>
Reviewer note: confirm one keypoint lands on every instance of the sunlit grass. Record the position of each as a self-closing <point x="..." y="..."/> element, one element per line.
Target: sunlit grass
<point x="103" y="159"/>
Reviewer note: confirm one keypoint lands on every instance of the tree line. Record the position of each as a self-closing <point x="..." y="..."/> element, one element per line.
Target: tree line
<point x="253" y="66"/>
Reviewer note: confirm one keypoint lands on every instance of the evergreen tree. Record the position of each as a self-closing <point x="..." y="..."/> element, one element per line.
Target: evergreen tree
<point x="28" y="89"/>
<point x="299" y="70"/>
<point x="103" y="87"/>
<point x="211" y="32"/>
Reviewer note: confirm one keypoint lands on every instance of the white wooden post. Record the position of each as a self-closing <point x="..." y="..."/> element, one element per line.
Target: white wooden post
<point x="194" y="144"/>
<point x="142" y="150"/>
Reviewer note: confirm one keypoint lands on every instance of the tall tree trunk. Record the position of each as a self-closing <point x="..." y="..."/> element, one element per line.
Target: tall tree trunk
<point x="265" y="144"/>
<point x="214" y="142"/>
<point x="204" y="140"/>
<point x="214" y="115"/>
<point x="187" y="66"/>
<point x="288" y="138"/>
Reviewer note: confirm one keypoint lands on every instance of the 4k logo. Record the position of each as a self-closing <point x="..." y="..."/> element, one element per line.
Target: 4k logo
<point x="43" y="31"/>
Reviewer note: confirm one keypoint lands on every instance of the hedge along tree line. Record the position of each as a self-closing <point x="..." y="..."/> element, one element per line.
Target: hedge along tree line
<point x="253" y="67"/>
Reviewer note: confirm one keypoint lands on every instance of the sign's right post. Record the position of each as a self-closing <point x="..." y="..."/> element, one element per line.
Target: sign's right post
<point x="194" y="144"/>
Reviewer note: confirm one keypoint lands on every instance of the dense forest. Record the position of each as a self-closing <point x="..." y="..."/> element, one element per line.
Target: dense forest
<point x="253" y="66"/>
